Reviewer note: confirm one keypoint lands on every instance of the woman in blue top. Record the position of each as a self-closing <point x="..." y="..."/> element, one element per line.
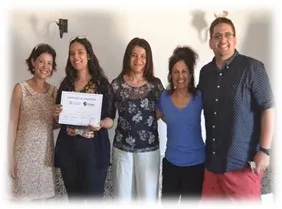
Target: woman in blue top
<point x="180" y="107"/>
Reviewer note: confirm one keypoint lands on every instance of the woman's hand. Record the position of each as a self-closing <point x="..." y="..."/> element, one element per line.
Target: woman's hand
<point x="94" y="128"/>
<point x="105" y="123"/>
<point x="12" y="168"/>
<point x="57" y="109"/>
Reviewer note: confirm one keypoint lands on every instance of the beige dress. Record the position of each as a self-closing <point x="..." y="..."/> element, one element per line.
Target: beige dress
<point x="34" y="146"/>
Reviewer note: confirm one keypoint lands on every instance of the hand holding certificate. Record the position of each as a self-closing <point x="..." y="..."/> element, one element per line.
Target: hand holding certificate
<point x="81" y="109"/>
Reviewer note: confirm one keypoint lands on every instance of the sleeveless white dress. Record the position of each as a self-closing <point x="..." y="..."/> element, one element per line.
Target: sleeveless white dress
<point x="34" y="146"/>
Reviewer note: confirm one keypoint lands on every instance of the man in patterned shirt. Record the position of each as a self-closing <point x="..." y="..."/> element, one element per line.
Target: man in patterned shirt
<point x="239" y="118"/>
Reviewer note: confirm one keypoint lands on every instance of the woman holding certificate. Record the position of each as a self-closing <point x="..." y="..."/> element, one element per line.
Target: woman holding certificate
<point x="136" y="155"/>
<point x="83" y="151"/>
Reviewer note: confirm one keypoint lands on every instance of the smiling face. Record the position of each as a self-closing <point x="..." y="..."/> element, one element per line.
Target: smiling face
<point x="78" y="56"/>
<point x="180" y="75"/>
<point x="43" y="65"/>
<point x="223" y="41"/>
<point x="137" y="60"/>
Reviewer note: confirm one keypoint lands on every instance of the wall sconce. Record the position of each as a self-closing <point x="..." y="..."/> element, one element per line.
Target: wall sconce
<point x="63" y="26"/>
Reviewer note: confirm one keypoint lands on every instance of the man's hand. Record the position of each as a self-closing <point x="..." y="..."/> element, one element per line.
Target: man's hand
<point x="261" y="161"/>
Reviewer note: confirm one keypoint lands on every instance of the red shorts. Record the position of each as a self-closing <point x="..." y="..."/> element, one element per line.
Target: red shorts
<point x="240" y="184"/>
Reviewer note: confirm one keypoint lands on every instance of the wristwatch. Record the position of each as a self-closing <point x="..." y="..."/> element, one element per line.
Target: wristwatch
<point x="266" y="151"/>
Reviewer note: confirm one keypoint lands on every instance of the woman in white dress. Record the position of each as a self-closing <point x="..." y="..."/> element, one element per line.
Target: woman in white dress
<point x="31" y="142"/>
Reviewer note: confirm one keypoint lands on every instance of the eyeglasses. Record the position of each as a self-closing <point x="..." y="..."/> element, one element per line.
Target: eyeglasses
<point x="78" y="37"/>
<point x="227" y="35"/>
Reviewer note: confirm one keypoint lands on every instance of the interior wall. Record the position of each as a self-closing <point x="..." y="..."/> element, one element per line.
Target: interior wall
<point x="110" y="30"/>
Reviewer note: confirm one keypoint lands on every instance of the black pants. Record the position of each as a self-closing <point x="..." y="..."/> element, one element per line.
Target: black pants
<point x="182" y="181"/>
<point x="82" y="178"/>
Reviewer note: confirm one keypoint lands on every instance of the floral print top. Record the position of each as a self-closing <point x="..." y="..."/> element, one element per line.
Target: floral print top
<point x="137" y="127"/>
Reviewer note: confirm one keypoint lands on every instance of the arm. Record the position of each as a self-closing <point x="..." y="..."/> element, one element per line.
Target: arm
<point x="57" y="107"/>
<point x="56" y="125"/>
<point x="108" y="110"/>
<point x="261" y="159"/>
<point x="159" y="115"/>
<point x="106" y="123"/>
<point x="263" y="97"/>
<point x="13" y="125"/>
<point x="267" y="128"/>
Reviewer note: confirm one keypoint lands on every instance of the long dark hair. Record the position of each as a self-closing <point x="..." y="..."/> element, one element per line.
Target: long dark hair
<point x="149" y="69"/>
<point x="189" y="56"/>
<point x="95" y="70"/>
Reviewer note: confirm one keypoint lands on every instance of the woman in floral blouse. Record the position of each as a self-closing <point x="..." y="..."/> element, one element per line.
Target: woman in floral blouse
<point x="83" y="153"/>
<point x="136" y="155"/>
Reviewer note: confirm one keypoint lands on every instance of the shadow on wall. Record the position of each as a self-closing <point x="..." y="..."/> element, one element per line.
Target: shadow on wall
<point x="257" y="44"/>
<point x="43" y="29"/>
<point x="200" y="24"/>
<point x="27" y="30"/>
<point x="103" y="32"/>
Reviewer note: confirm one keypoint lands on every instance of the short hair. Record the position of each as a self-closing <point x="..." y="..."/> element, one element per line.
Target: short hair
<point x="37" y="51"/>
<point x="220" y="20"/>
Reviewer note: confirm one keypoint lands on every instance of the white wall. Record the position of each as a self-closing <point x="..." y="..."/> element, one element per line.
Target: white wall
<point x="110" y="30"/>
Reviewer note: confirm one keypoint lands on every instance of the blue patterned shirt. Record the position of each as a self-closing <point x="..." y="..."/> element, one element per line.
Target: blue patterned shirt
<point x="233" y="99"/>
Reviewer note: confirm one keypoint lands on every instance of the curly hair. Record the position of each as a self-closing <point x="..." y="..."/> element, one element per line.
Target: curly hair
<point x="36" y="52"/>
<point x="189" y="56"/>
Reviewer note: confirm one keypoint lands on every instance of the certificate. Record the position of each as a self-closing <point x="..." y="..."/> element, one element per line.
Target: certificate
<point x="80" y="109"/>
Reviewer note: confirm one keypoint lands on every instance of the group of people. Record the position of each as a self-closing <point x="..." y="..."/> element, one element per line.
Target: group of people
<point x="233" y="92"/>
